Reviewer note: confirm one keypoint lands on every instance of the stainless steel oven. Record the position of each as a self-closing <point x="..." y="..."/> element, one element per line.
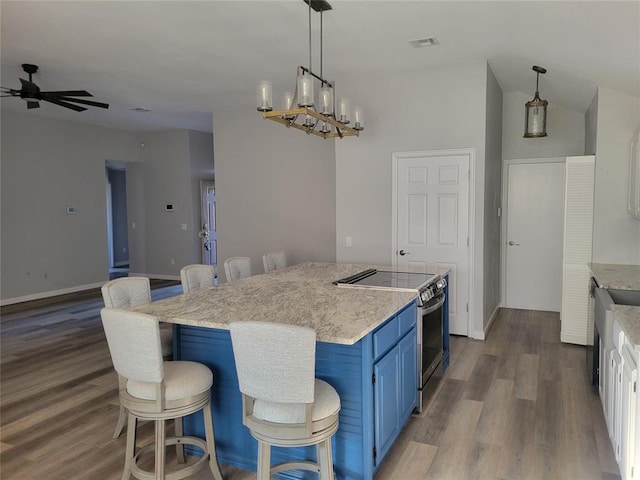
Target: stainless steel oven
<point x="430" y="334"/>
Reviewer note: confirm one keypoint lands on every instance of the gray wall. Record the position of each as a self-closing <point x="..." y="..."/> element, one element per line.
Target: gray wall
<point x="275" y="190"/>
<point x="48" y="165"/>
<point x="433" y="109"/>
<point x="591" y="127"/>
<point x="492" y="198"/>
<point x="565" y="127"/>
<point x="616" y="234"/>
<point x="166" y="179"/>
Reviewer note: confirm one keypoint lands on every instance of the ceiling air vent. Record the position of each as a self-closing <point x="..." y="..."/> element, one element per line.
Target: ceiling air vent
<point x="424" y="42"/>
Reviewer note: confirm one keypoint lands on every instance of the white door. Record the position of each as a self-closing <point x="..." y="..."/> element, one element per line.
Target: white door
<point x="432" y="222"/>
<point x="533" y="236"/>
<point x="208" y="222"/>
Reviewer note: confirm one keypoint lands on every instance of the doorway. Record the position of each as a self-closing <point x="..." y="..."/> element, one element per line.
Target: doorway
<point x="117" y="227"/>
<point x="431" y="216"/>
<point x="532" y="232"/>
<point x="208" y="222"/>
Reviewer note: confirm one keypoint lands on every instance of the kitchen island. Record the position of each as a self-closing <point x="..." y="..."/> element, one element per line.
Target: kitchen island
<point x="366" y="348"/>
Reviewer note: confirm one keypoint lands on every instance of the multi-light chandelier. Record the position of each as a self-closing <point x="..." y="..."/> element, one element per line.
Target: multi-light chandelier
<point x="535" y="120"/>
<point x="300" y="109"/>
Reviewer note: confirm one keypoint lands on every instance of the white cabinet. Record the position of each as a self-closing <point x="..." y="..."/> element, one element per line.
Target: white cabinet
<point x="621" y="404"/>
<point x="578" y="234"/>
<point x="628" y="413"/>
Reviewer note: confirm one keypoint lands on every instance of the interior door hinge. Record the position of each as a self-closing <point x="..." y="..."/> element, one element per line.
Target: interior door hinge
<point x="467" y="307"/>
<point x="467" y="241"/>
<point x="375" y="452"/>
<point x="634" y="387"/>
<point x="373" y="378"/>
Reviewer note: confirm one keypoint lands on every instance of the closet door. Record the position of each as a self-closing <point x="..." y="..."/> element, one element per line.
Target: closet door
<point x="578" y="233"/>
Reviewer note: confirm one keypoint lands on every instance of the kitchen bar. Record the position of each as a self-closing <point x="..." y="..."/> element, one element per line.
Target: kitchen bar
<point x="367" y="341"/>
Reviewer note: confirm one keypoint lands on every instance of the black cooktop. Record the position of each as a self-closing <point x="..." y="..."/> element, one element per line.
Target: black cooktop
<point x="390" y="280"/>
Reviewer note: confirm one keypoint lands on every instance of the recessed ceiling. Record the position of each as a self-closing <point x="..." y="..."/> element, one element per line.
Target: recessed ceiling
<point x="182" y="59"/>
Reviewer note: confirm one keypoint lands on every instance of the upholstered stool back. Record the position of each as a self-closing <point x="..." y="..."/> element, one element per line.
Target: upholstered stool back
<point x="274" y="260"/>
<point x="236" y="268"/>
<point x="126" y="292"/>
<point x="196" y="277"/>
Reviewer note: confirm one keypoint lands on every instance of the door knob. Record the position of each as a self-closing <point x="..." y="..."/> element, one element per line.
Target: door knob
<point x="513" y="244"/>
<point x="403" y="253"/>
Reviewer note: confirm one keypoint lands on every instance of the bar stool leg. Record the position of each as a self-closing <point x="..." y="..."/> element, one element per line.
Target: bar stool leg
<point x="177" y="423"/>
<point x="325" y="459"/>
<point x="264" y="461"/>
<point x="122" y="417"/>
<point x="131" y="446"/>
<point x="160" y="448"/>
<point x="211" y="442"/>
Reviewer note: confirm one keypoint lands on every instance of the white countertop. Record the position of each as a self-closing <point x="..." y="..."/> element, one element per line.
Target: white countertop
<point x="299" y="295"/>
<point x="622" y="277"/>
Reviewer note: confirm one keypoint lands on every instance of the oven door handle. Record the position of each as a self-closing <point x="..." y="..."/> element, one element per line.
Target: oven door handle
<point x="436" y="306"/>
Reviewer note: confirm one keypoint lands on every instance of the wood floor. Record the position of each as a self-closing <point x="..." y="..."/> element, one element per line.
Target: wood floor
<point x="516" y="406"/>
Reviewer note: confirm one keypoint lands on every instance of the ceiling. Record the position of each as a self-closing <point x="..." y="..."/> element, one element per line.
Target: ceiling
<point x="182" y="59"/>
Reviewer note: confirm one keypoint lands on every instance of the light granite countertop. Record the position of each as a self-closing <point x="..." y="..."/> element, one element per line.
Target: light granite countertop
<point x="299" y="295"/>
<point x="622" y="277"/>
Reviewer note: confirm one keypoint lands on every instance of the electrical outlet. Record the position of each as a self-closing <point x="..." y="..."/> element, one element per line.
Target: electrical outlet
<point x="173" y="262"/>
<point x="347" y="241"/>
<point x="124" y="250"/>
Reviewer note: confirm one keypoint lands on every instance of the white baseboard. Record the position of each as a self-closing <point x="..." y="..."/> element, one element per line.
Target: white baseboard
<point x="77" y="288"/>
<point x="154" y="275"/>
<point x="575" y="339"/>
<point x="52" y="293"/>
<point x="482" y="335"/>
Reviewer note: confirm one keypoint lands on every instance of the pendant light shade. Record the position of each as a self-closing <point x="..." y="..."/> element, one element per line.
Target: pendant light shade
<point x="535" y="120"/>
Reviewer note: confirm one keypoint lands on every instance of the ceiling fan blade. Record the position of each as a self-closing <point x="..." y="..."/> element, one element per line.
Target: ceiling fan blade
<point x="70" y="93"/>
<point x="9" y="95"/>
<point x="83" y="102"/>
<point x="33" y="105"/>
<point x="64" y="104"/>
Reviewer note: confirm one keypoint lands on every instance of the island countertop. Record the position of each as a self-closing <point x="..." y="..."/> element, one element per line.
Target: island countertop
<point x="299" y="295"/>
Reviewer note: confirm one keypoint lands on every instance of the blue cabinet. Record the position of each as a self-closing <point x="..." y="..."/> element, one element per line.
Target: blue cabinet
<point x="395" y="380"/>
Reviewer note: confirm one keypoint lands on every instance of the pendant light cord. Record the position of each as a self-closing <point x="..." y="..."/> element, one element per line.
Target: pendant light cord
<point x="321" y="43"/>
<point x="309" y="35"/>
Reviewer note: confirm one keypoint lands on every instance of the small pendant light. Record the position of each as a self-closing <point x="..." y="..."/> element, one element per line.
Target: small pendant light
<point x="535" y="120"/>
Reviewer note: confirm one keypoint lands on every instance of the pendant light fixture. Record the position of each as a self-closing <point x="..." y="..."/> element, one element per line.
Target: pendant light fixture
<point x="535" y="120"/>
<point x="300" y="109"/>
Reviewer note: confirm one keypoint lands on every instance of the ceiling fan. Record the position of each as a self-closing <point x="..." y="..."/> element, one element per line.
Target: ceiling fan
<point x="31" y="93"/>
